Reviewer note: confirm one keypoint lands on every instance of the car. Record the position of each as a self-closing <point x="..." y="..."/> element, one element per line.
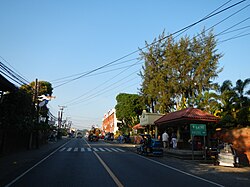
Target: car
<point x="79" y="135"/>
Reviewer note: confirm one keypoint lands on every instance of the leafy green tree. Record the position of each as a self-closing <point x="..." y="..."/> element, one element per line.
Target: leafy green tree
<point x="38" y="89"/>
<point x="128" y="109"/>
<point x="235" y="103"/>
<point x="16" y="111"/>
<point x="175" y="73"/>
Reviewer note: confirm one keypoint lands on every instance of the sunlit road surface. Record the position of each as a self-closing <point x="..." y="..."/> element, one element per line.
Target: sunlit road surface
<point x="83" y="163"/>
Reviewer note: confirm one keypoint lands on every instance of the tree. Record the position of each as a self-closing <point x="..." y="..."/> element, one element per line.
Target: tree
<point x="16" y="111"/>
<point x="235" y="103"/>
<point x="35" y="89"/>
<point x="128" y="109"/>
<point x="243" y="102"/>
<point x="175" y="73"/>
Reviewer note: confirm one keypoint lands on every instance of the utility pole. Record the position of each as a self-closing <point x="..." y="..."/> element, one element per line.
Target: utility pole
<point x="60" y="115"/>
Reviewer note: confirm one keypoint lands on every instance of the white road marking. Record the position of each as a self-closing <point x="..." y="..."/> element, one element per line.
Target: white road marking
<point x="115" y="179"/>
<point x="120" y="150"/>
<point x="108" y="149"/>
<point x="89" y="149"/>
<point x="95" y="149"/>
<point x="82" y="149"/>
<point x="69" y="149"/>
<point x="114" y="149"/>
<point x="62" y="149"/>
<point x="183" y="172"/>
<point x="101" y="149"/>
<point x="76" y="149"/>
<point x="28" y="170"/>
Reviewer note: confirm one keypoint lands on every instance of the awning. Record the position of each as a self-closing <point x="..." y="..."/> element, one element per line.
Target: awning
<point x="138" y="126"/>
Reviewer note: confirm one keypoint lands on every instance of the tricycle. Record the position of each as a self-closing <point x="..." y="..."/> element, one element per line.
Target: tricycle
<point x="149" y="146"/>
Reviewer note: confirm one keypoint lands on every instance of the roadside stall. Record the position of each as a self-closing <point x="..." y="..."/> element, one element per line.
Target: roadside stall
<point x="179" y="123"/>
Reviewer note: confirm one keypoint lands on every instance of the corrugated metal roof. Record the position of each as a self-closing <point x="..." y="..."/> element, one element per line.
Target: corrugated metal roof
<point x="187" y="114"/>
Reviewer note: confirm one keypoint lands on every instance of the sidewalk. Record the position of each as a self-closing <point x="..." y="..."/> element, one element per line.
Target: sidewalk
<point x="13" y="164"/>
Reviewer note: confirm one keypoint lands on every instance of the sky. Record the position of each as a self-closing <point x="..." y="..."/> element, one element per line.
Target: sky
<point x="75" y="40"/>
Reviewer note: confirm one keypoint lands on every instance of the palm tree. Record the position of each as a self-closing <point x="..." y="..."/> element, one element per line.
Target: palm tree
<point x="240" y="90"/>
<point x="228" y="103"/>
<point x="243" y="102"/>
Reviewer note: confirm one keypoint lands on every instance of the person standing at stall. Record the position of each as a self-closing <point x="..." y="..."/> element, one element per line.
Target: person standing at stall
<point x="165" y="139"/>
<point x="174" y="140"/>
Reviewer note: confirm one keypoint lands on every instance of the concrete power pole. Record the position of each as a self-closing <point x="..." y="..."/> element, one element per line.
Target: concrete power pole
<point x="60" y="115"/>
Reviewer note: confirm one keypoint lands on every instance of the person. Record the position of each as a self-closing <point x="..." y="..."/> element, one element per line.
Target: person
<point x="174" y="140"/>
<point x="165" y="139"/>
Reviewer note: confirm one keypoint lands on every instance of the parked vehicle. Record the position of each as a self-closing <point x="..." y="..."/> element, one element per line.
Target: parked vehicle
<point x="109" y="137"/>
<point x="150" y="146"/>
<point x="126" y="139"/>
<point x="93" y="138"/>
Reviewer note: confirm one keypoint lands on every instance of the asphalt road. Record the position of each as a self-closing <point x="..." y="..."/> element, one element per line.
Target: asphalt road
<point x="82" y="163"/>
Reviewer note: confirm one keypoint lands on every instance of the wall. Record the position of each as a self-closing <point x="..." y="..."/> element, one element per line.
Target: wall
<point x="240" y="138"/>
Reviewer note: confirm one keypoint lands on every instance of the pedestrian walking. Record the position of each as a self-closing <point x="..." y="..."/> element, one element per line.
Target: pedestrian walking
<point x="165" y="139"/>
<point x="174" y="140"/>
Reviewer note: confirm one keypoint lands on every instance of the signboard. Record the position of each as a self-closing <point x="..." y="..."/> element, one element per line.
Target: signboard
<point x="198" y="129"/>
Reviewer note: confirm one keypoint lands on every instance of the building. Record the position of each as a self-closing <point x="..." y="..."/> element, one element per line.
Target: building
<point x="110" y="122"/>
<point x="147" y="121"/>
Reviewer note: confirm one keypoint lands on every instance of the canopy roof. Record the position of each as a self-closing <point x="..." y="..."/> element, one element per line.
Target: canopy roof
<point x="138" y="126"/>
<point x="187" y="115"/>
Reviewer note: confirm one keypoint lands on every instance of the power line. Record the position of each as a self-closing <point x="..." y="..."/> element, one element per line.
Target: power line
<point x="129" y="54"/>
<point x="11" y="74"/>
<point x="106" y="89"/>
<point x="78" y="74"/>
<point x="72" y="102"/>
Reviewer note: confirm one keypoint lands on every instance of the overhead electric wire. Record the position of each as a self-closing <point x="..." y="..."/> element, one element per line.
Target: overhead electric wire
<point x="189" y="27"/>
<point x="101" y="93"/>
<point x="21" y="76"/>
<point x="108" y="71"/>
<point x="14" y="76"/>
<point x="221" y="33"/>
<point x="108" y="88"/>
<point x="245" y="27"/>
<point x="98" y="87"/>
<point x="234" y="37"/>
<point x="62" y="78"/>
<point x="129" y="54"/>
<point x="205" y="17"/>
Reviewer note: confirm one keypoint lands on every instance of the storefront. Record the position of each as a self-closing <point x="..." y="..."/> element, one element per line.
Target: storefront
<point x="147" y="121"/>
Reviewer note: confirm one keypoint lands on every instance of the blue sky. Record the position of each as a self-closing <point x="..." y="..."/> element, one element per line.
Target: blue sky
<point x="53" y="39"/>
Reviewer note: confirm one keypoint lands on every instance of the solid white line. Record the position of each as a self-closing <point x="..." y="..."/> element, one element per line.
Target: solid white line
<point x="183" y="172"/>
<point x="28" y="170"/>
<point x="116" y="180"/>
